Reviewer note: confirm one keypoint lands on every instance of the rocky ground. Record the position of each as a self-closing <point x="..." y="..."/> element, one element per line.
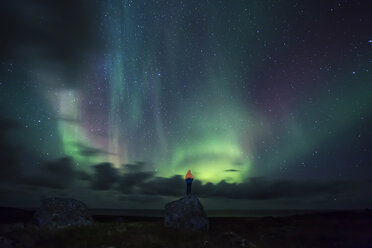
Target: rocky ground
<point x="339" y="229"/>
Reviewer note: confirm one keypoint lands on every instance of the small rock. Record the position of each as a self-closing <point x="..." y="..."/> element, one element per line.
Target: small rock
<point x="237" y="240"/>
<point x="234" y="238"/>
<point x="251" y="245"/>
<point x="244" y="243"/>
<point x="204" y="244"/>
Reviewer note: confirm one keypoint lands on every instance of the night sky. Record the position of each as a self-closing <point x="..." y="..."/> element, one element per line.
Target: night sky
<point x="268" y="103"/>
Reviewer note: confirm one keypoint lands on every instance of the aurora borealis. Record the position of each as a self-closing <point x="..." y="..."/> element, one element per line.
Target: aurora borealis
<point x="122" y="97"/>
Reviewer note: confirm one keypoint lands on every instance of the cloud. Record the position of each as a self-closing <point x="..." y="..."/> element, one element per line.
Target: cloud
<point x="130" y="181"/>
<point x="91" y="151"/>
<point x="82" y="175"/>
<point x="54" y="174"/>
<point x="136" y="167"/>
<point x="263" y="189"/>
<point x="145" y="186"/>
<point x="139" y="182"/>
<point x="163" y="186"/>
<point x="253" y="188"/>
<point x="105" y="176"/>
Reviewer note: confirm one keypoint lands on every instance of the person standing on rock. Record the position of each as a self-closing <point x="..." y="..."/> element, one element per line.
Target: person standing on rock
<point x="188" y="178"/>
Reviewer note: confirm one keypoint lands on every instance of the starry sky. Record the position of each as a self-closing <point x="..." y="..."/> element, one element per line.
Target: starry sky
<point x="268" y="103"/>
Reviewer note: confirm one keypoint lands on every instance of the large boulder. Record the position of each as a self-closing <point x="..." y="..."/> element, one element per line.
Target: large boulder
<point x="62" y="212"/>
<point x="186" y="213"/>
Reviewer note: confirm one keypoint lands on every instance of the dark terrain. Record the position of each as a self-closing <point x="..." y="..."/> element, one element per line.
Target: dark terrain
<point x="333" y="229"/>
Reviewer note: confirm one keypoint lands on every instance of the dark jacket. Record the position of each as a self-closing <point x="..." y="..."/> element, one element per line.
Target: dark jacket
<point x="189" y="180"/>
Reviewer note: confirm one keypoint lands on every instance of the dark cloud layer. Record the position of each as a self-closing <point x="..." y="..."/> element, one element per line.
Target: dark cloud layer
<point x="264" y="189"/>
<point x="60" y="174"/>
<point x="256" y="188"/>
<point x="173" y="186"/>
<point x="146" y="187"/>
<point x="83" y="175"/>
<point x="54" y="174"/>
<point x="136" y="167"/>
<point x="130" y="181"/>
<point x="105" y="176"/>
